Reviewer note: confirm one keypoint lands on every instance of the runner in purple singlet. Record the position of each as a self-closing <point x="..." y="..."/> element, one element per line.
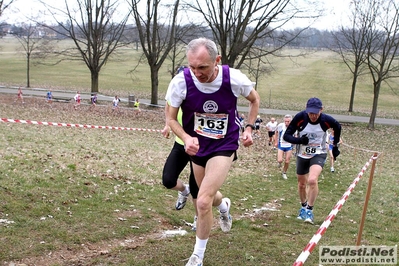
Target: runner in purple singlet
<point x="207" y="94"/>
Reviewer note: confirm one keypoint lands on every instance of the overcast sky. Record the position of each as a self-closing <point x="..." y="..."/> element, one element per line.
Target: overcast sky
<point x="334" y="12"/>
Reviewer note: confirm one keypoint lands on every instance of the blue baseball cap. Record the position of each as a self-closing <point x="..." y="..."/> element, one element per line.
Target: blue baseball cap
<point x="314" y="105"/>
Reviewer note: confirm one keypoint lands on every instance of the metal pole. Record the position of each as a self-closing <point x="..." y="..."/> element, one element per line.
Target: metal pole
<point x="359" y="234"/>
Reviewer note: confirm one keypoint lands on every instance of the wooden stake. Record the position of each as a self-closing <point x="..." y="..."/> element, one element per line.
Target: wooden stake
<point x="359" y="234"/>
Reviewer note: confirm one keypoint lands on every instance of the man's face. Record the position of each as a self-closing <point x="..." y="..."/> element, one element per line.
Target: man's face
<point x="203" y="67"/>
<point x="287" y="121"/>
<point x="314" y="116"/>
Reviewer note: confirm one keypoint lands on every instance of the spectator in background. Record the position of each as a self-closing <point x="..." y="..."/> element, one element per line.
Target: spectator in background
<point x="242" y="122"/>
<point x="77" y="99"/>
<point x="49" y="96"/>
<point x="258" y="121"/>
<point x="93" y="100"/>
<point x="137" y="105"/>
<point x="271" y="127"/>
<point x="174" y="165"/>
<point x="179" y="69"/>
<point x="283" y="147"/>
<point x="20" y="97"/>
<point x="115" y="103"/>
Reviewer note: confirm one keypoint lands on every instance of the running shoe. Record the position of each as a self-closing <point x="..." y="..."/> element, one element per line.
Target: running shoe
<point x="194" y="261"/>
<point x="225" y="219"/>
<point x="302" y="214"/>
<point x="182" y="199"/>
<point x="332" y="169"/>
<point x="284" y="176"/>
<point x="309" y="217"/>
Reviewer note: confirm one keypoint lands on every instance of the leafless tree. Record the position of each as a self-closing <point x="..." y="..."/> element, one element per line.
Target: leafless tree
<point x="157" y="32"/>
<point x="33" y="45"/>
<point x="350" y="43"/>
<point x="237" y="25"/>
<point x="184" y="33"/>
<point x="382" y="48"/>
<point x="95" y="27"/>
<point x="4" y="5"/>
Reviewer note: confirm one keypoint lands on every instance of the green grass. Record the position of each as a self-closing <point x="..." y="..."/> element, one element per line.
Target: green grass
<point x="292" y="81"/>
<point x="95" y="197"/>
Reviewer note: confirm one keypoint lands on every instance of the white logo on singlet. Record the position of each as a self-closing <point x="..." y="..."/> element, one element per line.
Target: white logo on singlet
<point x="210" y="107"/>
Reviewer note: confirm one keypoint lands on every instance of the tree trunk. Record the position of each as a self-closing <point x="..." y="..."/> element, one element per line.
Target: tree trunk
<point x="94" y="81"/>
<point x="154" y="86"/>
<point x="354" y="81"/>
<point x="373" y="115"/>
<point x="27" y="70"/>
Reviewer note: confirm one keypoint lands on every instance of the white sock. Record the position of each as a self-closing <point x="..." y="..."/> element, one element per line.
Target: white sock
<point x="186" y="190"/>
<point x="200" y="247"/>
<point x="223" y="206"/>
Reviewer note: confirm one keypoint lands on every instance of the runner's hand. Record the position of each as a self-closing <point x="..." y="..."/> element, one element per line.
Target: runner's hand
<point x="166" y="131"/>
<point x="191" y="146"/>
<point x="335" y="153"/>
<point x="305" y="139"/>
<point x="247" y="139"/>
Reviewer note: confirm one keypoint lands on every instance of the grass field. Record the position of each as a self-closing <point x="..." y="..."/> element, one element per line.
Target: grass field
<point x="292" y="81"/>
<point x="79" y="196"/>
<point x="76" y="196"/>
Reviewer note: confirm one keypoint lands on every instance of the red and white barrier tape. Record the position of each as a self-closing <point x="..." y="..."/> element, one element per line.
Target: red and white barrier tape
<point x="74" y="125"/>
<point x="323" y="227"/>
